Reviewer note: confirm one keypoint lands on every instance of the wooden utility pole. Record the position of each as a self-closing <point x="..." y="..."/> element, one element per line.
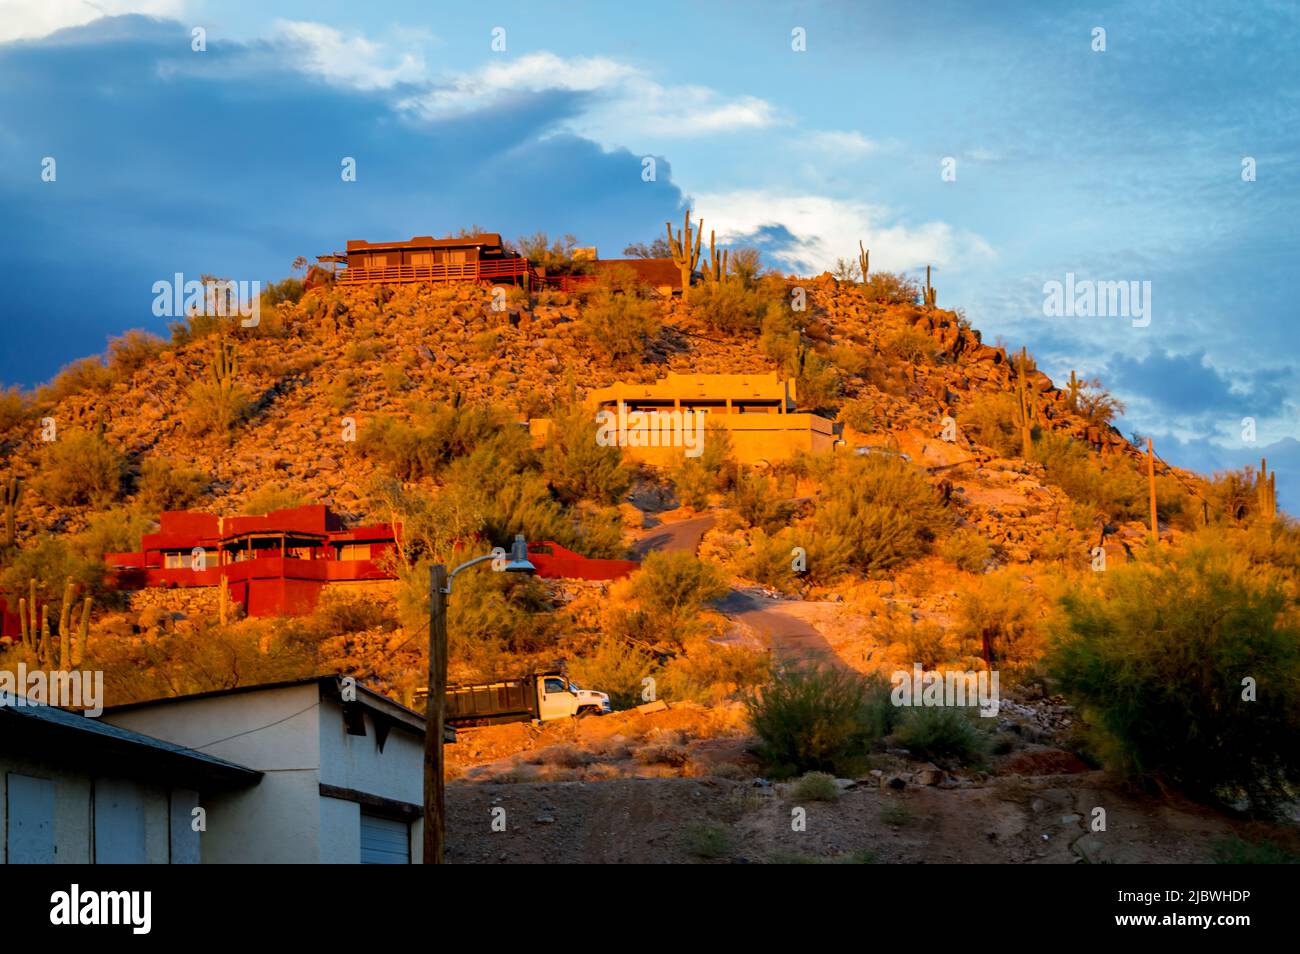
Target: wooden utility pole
<point x="434" y="713"/>
<point x="1151" y="482"/>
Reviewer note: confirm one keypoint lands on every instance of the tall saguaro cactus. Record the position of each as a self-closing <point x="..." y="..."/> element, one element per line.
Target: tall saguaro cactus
<point x="685" y="255"/>
<point x="223" y="367"/>
<point x="1266" y="491"/>
<point x="1024" y="402"/>
<point x="930" y="292"/>
<point x="864" y="261"/>
<point x="1074" y="389"/>
<point x="716" y="270"/>
<point x="10" y="492"/>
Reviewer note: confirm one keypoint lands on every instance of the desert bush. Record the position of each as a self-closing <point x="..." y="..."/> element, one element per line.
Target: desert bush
<point x="768" y="560"/>
<point x="911" y="344"/>
<point x="163" y="486"/>
<point x="341" y="612"/>
<point x="1156" y="654"/>
<point x="1233" y="850"/>
<point x="81" y="467"/>
<point x="553" y="257"/>
<point x="817" y="719"/>
<point x="731" y="307"/>
<point x="132" y="352"/>
<point x="273" y="497"/>
<point x="993" y="419"/>
<point x="422" y="447"/>
<point x="51" y="561"/>
<point x="615" y="666"/>
<point x="619" y="321"/>
<point x="1114" y="488"/>
<point x="708" y="840"/>
<point x="861" y="414"/>
<point x="577" y="467"/>
<point x="968" y="549"/>
<point x="891" y="289"/>
<point x="14" y="408"/>
<point x="755" y="501"/>
<point x="709" y="672"/>
<point x="676" y="582"/>
<point x="815" y="787"/>
<point x="938" y="732"/>
<point x="997" y="619"/>
<point x="695" y="479"/>
<point x="874" y="513"/>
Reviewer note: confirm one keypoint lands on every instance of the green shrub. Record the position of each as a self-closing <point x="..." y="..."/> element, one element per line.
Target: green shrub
<point x="939" y="732"/>
<point x="708" y="841"/>
<point x="911" y="344"/>
<point x="133" y="351"/>
<point x="731" y="307"/>
<point x="410" y="450"/>
<point x="815" y="787"/>
<point x="755" y="500"/>
<point x="998" y="621"/>
<point x="166" y="487"/>
<point x="874" y="513"/>
<point x="273" y="497"/>
<point x="1114" y="488"/>
<point x="817" y="719"/>
<point x="676" y="582"/>
<point x="969" y="549"/>
<point x="891" y="289"/>
<point x="579" y="468"/>
<point x="14" y="408"/>
<point x="768" y="560"/>
<point x="1156" y="653"/>
<point x="81" y="467"/>
<point x="615" y="666"/>
<point x="618" y="320"/>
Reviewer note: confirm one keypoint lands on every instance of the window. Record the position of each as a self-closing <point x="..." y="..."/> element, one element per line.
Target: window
<point x="353" y="551"/>
<point x="554" y="684"/>
<point x="184" y="560"/>
<point x="421" y="258"/>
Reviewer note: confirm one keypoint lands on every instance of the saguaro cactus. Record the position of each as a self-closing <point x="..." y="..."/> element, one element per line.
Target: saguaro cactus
<point x="223" y="366"/>
<point x="930" y="293"/>
<point x="1024" y="402"/>
<point x="10" y="492"/>
<point x="65" y="623"/>
<point x="83" y="634"/>
<point x="1266" y="491"/>
<point x="685" y="255"/>
<point x="716" y="270"/>
<point x="864" y="261"/>
<point x="1074" y="389"/>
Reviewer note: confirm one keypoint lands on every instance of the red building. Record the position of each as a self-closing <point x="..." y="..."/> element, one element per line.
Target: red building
<point x="279" y="563"/>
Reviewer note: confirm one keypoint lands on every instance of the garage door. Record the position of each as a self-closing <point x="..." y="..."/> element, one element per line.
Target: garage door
<point x="119" y="822"/>
<point x="30" y="825"/>
<point x="384" y="841"/>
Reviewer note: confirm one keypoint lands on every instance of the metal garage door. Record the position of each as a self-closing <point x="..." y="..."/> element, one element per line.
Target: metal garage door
<point x="384" y="841"/>
<point x="30" y="826"/>
<point x="119" y="822"/>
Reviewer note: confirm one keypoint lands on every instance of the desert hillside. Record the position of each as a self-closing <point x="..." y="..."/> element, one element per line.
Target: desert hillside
<point x="974" y="515"/>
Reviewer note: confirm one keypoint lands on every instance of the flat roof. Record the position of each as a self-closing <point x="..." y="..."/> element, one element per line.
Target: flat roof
<point x="427" y="241"/>
<point x="767" y="386"/>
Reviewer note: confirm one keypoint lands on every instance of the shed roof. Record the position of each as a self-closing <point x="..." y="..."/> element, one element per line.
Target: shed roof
<point x="48" y="732"/>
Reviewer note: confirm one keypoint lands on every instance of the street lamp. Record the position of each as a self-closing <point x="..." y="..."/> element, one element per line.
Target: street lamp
<point x="436" y="703"/>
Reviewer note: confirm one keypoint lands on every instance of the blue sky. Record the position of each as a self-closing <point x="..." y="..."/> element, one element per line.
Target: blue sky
<point x="1117" y="165"/>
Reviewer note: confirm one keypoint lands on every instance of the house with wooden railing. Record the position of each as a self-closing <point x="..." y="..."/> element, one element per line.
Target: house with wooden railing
<point x="481" y="258"/>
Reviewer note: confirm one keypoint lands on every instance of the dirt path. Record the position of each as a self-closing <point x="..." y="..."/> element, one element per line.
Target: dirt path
<point x="1010" y="820"/>
<point x="786" y="635"/>
<point x="677" y="535"/>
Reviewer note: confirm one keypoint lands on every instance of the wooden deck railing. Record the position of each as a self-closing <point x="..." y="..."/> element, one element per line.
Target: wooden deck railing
<point x="492" y="270"/>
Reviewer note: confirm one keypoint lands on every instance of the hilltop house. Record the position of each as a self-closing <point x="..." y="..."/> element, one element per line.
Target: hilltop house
<point x="76" y="790"/>
<point x="758" y="412"/>
<point x="341" y="769"/>
<point x="279" y="563"/>
<point x="478" y="258"/>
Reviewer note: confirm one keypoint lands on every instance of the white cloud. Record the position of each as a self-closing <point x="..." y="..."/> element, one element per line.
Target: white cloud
<point x="827" y="229"/>
<point x="346" y="60"/>
<point x="847" y="144"/>
<point x="627" y="105"/>
<point x="32" y="19"/>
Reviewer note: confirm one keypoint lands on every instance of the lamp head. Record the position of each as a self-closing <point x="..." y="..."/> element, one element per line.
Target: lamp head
<point x="519" y="562"/>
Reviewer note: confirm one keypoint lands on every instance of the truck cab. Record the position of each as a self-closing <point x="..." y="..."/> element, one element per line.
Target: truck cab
<point x="559" y="697"/>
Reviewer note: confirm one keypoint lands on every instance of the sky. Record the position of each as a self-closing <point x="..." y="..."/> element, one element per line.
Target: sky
<point x="997" y="142"/>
